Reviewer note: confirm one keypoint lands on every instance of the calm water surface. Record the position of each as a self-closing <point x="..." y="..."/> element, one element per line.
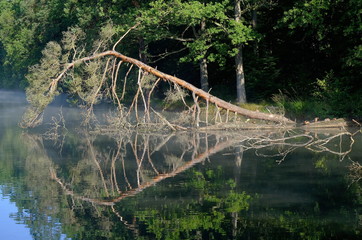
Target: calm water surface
<point x="78" y="184"/>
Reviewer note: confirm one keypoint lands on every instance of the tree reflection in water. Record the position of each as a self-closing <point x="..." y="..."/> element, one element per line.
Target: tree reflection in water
<point x="121" y="185"/>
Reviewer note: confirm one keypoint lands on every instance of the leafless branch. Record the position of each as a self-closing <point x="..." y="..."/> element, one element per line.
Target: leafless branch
<point x="166" y="54"/>
<point x="124" y="35"/>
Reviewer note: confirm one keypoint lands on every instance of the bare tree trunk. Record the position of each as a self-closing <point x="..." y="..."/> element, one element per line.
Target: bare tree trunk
<point x="204" y="77"/>
<point x="240" y="77"/>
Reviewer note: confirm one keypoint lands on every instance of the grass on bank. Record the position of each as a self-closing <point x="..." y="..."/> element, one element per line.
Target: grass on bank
<point x="295" y="108"/>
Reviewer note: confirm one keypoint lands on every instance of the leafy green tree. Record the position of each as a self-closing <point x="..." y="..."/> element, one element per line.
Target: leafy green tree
<point x="329" y="33"/>
<point x="206" y="28"/>
<point x="25" y="27"/>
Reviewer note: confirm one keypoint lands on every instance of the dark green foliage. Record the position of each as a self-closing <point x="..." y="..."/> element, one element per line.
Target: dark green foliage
<point x="329" y="35"/>
<point x="311" y="48"/>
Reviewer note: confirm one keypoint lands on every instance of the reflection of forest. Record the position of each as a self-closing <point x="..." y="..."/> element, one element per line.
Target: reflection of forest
<point x="183" y="186"/>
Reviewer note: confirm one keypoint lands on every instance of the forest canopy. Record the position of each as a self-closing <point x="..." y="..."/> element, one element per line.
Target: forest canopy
<point x="304" y="55"/>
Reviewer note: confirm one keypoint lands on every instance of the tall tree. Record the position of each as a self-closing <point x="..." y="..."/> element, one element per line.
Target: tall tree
<point x="208" y="29"/>
<point x="25" y="28"/>
<point x="241" y="8"/>
<point x="204" y="76"/>
<point x="239" y="66"/>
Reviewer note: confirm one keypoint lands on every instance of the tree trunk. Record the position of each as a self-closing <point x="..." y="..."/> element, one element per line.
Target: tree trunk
<point x="204" y="77"/>
<point x="254" y="21"/>
<point x="240" y="77"/>
<point x="254" y="18"/>
<point x="142" y="50"/>
<point x="143" y="56"/>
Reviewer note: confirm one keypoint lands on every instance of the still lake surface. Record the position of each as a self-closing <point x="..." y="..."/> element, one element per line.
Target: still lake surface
<point x="81" y="184"/>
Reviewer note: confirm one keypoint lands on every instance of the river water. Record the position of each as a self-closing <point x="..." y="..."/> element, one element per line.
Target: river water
<point x="70" y="183"/>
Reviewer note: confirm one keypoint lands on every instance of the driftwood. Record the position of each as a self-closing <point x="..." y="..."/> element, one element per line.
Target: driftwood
<point x="330" y="123"/>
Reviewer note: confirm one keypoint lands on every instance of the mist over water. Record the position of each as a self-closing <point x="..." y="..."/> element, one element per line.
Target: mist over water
<point x="13" y="104"/>
<point x="119" y="183"/>
<point x="12" y="97"/>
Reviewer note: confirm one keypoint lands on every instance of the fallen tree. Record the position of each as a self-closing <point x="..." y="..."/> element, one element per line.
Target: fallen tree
<point x="55" y="67"/>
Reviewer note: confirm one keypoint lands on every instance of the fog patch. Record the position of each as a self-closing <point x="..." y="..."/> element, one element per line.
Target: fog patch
<point x="12" y="97"/>
<point x="12" y="107"/>
<point x="14" y="103"/>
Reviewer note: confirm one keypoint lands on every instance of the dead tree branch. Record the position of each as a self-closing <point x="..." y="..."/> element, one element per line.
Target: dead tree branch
<point x="146" y="68"/>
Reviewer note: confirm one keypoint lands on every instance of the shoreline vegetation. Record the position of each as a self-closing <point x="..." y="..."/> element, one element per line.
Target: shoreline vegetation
<point x="96" y="76"/>
<point x="300" y="62"/>
<point x="221" y="120"/>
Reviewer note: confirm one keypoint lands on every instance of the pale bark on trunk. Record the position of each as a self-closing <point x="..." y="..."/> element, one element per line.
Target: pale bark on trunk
<point x="204" y="76"/>
<point x="240" y="76"/>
